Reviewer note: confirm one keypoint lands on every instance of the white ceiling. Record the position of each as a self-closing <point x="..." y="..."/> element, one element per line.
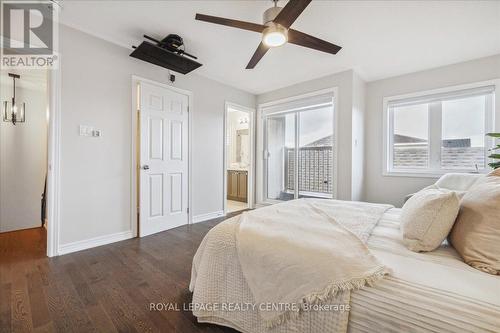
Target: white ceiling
<point x="379" y="38"/>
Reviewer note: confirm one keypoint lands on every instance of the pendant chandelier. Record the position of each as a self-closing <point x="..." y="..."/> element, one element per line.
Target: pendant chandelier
<point x="14" y="112"/>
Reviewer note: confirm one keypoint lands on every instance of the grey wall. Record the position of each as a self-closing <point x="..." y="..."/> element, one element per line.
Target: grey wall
<point x="344" y="81"/>
<point x="96" y="91"/>
<point x="23" y="154"/>
<point x="387" y="189"/>
<point x="358" y="137"/>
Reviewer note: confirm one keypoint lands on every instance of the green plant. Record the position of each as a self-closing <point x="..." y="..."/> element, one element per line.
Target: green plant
<point x="494" y="156"/>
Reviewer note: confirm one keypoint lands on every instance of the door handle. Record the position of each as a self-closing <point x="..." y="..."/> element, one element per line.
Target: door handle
<point x="145" y="167"/>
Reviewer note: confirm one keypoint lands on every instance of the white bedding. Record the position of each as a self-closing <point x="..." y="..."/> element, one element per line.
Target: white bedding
<point x="304" y="251"/>
<point x="427" y="292"/>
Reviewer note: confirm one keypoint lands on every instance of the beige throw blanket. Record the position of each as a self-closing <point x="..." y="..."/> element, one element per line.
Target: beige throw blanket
<point x="303" y="252"/>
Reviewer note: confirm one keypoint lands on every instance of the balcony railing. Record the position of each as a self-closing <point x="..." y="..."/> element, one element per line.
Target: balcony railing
<point x="315" y="170"/>
<point x="417" y="156"/>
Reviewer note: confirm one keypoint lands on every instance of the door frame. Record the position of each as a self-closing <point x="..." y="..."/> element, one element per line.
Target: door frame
<point x="251" y="169"/>
<point x="135" y="144"/>
<point x="261" y="141"/>
<point x="54" y="160"/>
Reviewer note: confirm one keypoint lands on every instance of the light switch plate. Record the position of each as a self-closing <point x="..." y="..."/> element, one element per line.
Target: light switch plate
<point x="89" y="131"/>
<point x="83" y="130"/>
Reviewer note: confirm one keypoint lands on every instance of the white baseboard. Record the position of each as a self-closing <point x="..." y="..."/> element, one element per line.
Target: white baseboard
<point x="94" y="242"/>
<point x="207" y="216"/>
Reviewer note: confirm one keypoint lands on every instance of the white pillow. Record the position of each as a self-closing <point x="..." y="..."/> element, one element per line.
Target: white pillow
<point x="460" y="194"/>
<point x="460" y="183"/>
<point x="427" y="218"/>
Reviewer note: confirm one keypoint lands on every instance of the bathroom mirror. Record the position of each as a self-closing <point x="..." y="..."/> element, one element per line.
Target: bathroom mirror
<point x="242" y="156"/>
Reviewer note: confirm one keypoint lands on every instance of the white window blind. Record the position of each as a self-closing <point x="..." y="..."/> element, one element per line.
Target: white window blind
<point x="303" y="104"/>
<point x="480" y="91"/>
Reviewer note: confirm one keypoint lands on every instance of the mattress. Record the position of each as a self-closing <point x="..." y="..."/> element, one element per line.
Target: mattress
<point x="427" y="292"/>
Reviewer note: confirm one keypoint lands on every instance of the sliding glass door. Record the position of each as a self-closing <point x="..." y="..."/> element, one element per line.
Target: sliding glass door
<point x="280" y="130"/>
<point x="299" y="149"/>
<point x="315" y="154"/>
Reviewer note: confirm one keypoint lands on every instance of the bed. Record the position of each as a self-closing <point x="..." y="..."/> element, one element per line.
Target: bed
<point x="426" y="292"/>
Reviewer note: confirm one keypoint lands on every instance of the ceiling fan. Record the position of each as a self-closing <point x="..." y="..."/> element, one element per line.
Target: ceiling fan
<point x="276" y="29"/>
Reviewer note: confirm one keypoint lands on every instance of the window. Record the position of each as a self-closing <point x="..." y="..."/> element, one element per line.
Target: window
<point x="411" y="136"/>
<point x="437" y="133"/>
<point x="299" y="149"/>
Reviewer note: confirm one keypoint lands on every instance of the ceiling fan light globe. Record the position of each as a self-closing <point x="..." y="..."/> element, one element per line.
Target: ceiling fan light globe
<point x="274" y="39"/>
<point x="274" y="36"/>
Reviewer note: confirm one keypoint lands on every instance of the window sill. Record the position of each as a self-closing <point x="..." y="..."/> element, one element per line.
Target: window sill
<point x="427" y="174"/>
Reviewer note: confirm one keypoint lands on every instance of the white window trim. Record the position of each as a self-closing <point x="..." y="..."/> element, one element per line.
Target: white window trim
<point x="492" y="122"/>
<point x="261" y="199"/>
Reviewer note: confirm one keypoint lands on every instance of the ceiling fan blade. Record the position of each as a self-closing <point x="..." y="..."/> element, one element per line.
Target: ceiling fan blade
<point x="231" y="23"/>
<point x="259" y="53"/>
<point x="290" y="12"/>
<point x="302" y="39"/>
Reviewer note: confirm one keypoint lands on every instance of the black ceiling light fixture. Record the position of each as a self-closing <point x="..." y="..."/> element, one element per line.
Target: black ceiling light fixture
<point x="168" y="53"/>
<point x="14" y="112"/>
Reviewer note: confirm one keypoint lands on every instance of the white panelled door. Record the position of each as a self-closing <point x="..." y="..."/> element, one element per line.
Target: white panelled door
<point x="163" y="159"/>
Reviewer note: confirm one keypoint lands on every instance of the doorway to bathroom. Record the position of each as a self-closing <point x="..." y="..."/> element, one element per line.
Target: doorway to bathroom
<point x="238" y="158"/>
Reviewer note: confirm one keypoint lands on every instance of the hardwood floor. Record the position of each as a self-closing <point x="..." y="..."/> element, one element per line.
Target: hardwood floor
<point x="105" y="289"/>
<point x="236" y="206"/>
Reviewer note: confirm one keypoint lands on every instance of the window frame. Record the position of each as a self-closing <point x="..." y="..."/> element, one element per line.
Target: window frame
<point x="293" y="105"/>
<point x="435" y="99"/>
